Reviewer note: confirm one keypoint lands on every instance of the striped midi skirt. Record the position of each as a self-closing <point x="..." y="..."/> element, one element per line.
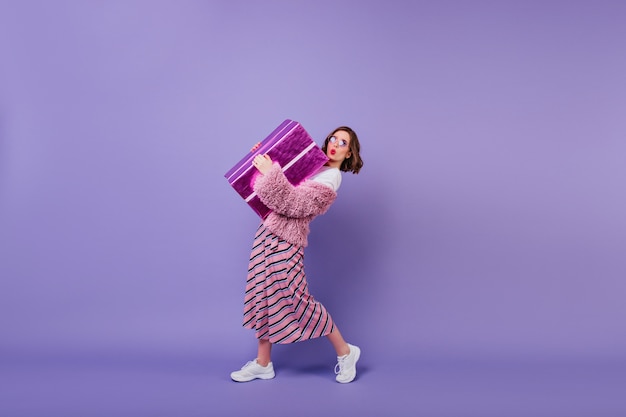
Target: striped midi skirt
<point x="277" y="303"/>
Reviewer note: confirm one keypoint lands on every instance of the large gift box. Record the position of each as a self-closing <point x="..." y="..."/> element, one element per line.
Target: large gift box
<point x="294" y="150"/>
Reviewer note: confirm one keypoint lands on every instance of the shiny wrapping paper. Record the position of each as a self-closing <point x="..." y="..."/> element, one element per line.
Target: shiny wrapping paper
<point x="292" y="148"/>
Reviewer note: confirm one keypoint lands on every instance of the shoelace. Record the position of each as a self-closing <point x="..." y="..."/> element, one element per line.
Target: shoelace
<point x="340" y="365"/>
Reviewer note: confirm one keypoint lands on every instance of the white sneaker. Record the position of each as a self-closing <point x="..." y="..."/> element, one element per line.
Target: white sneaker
<point x="346" y="365"/>
<point x="252" y="370"/>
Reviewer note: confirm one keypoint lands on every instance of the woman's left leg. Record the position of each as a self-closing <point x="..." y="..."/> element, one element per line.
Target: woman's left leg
<point x="340" y="345"/>
<point x="347" y="357"/>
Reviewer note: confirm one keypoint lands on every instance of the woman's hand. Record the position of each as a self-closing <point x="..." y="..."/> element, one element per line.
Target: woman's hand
<point x="255" y="147"/>
<point x="263" y="163"/>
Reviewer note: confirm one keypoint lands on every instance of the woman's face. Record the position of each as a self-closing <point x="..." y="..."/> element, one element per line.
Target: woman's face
<point x="338" y="147"/>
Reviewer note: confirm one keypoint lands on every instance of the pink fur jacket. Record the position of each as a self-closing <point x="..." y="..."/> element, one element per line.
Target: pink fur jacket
<point x="293" y="208"/>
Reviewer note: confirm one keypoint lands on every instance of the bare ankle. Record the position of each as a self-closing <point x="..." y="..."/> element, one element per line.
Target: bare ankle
<point x="344" y="350"/>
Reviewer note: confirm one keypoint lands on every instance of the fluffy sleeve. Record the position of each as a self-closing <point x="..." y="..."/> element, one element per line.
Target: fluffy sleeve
<point x="307" y="199"/>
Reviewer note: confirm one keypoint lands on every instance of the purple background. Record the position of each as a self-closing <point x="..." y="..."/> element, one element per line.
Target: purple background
<point x="478" y="259"/>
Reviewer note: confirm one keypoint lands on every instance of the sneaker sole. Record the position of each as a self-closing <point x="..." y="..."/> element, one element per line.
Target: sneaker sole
<point x="252" y="378"/>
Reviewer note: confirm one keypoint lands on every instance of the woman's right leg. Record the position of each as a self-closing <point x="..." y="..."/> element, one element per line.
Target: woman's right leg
<point x="261" y="368"/>
<point x="264" y="352"/>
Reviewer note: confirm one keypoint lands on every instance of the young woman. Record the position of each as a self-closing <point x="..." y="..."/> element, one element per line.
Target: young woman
<point x="277" y="302"/>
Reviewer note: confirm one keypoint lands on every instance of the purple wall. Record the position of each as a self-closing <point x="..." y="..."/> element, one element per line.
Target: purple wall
<point x="488" y="219"/>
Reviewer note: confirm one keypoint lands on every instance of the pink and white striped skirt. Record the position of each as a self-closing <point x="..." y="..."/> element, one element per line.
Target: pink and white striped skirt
<point x="277" y="303"/>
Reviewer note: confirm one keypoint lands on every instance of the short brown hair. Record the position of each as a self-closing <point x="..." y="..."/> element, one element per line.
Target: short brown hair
<point x="353" y="163"/>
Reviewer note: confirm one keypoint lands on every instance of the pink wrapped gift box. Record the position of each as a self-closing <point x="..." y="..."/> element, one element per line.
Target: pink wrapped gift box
<point x="294" y="150"/>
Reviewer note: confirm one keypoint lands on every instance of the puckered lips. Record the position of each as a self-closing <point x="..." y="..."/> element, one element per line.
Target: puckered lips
<point x="332" y="151"/>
